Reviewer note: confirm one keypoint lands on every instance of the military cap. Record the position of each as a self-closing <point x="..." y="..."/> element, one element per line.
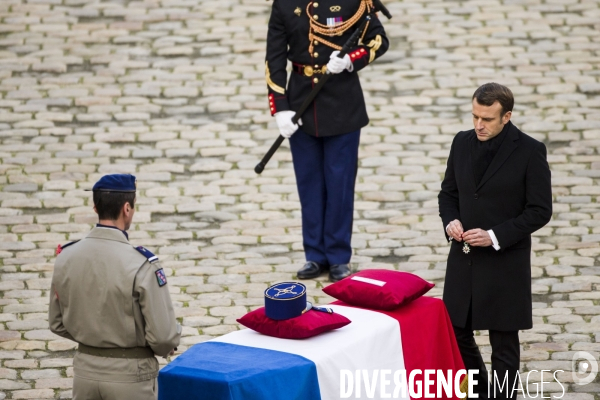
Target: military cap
<point x="116" y="183"/>
<point x="287" y="300"/>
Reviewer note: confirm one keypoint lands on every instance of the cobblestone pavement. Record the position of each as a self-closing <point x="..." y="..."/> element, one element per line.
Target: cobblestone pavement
<point x="173" y="91"/>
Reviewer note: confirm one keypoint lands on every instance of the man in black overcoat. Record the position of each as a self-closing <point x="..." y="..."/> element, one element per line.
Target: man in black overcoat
<point x="496" y="192"/>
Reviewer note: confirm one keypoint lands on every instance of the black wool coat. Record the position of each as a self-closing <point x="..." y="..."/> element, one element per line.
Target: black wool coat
<point x="514" y="199"/>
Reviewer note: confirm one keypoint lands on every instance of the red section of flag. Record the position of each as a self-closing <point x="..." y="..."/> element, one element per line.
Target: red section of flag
<point x="428" y="340"/>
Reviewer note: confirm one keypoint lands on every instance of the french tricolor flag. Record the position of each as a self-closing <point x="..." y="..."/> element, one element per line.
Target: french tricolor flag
<point x="246" y="365"/>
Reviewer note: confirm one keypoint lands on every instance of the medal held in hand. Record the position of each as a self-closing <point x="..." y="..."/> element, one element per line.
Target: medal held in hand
<point x="466" y="249"/>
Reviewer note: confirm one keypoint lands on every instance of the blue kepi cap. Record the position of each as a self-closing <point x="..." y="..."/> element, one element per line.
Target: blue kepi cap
<point x="115" y="183"/>
<point x="285" y="300"/>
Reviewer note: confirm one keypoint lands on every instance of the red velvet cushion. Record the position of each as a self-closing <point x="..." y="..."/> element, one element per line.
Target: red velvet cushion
<point x="309" y="324"/>
<point x="399" y="288"/>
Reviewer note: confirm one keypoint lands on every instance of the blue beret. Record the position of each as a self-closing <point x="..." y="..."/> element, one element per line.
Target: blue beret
<point x="116" y="183"/>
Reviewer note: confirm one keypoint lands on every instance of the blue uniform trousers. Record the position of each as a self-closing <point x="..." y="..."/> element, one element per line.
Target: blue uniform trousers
<point x="325" y="170"/>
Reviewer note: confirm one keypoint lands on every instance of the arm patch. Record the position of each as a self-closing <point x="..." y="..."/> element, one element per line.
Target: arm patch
<point x="161" y="277"/>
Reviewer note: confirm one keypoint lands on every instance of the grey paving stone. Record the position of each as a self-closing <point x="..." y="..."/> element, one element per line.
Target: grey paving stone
<point x="158" y="90"/>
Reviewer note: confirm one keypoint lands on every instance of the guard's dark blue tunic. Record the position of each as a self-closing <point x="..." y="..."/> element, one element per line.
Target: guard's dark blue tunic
<point x="340" y="106"/>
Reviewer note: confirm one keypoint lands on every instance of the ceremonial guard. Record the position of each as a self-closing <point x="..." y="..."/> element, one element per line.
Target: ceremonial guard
<point x="325" y="148"/>
<point x="113" y="299"/>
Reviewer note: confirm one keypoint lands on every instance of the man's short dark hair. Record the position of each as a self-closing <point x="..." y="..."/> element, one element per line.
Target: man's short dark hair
<point x="489" y="93"/>
<point x="109" y="204"/>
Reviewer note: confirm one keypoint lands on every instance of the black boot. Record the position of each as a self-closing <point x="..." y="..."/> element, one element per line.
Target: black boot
<point x="339" y="271"/>
<point x="311" y="270"/>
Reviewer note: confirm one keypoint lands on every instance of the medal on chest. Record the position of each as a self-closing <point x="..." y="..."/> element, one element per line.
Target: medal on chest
<point x="335" y="25"/>
<point x="466" y="249"/>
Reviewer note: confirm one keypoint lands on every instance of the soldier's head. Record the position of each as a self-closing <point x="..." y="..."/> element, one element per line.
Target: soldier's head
<point x="492" y="109"/>
<point x="114" y="199"/>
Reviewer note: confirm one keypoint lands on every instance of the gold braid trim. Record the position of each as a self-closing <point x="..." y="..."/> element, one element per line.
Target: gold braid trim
<point x="325" y="30"/>
<point x="375" y="44"/>
<point x="362" y="37"/>
<point x="312" y="37"/>
<point x="274" y="87"/>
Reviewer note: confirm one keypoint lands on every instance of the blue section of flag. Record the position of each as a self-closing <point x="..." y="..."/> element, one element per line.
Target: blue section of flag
<point x="223" y="371"/>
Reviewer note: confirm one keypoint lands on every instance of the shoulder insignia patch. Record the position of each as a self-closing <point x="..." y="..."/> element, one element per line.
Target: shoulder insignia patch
<point x="148" y="254"/>
<point x="160" y="277"/>
<point x="60" y="248"/>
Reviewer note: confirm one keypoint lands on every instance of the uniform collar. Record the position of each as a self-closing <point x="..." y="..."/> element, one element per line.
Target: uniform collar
<point x="110" y="230"/>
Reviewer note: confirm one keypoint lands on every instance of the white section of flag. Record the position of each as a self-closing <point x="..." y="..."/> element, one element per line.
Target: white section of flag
<point x="368" y="280"/>
<point x="371" y="342"/>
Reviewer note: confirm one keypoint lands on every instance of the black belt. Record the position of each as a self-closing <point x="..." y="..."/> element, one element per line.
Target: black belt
<point x="308" y="70"/>
<point x="116" y="352"/>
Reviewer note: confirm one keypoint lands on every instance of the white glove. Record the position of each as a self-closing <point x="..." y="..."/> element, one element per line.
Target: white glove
<point x="337" y="65"/>
<point x="285" y="124"/>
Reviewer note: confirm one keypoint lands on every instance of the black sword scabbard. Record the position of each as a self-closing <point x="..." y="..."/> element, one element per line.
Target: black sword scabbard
<point x="261" y="165"/>
<point x="380" y="7"/>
